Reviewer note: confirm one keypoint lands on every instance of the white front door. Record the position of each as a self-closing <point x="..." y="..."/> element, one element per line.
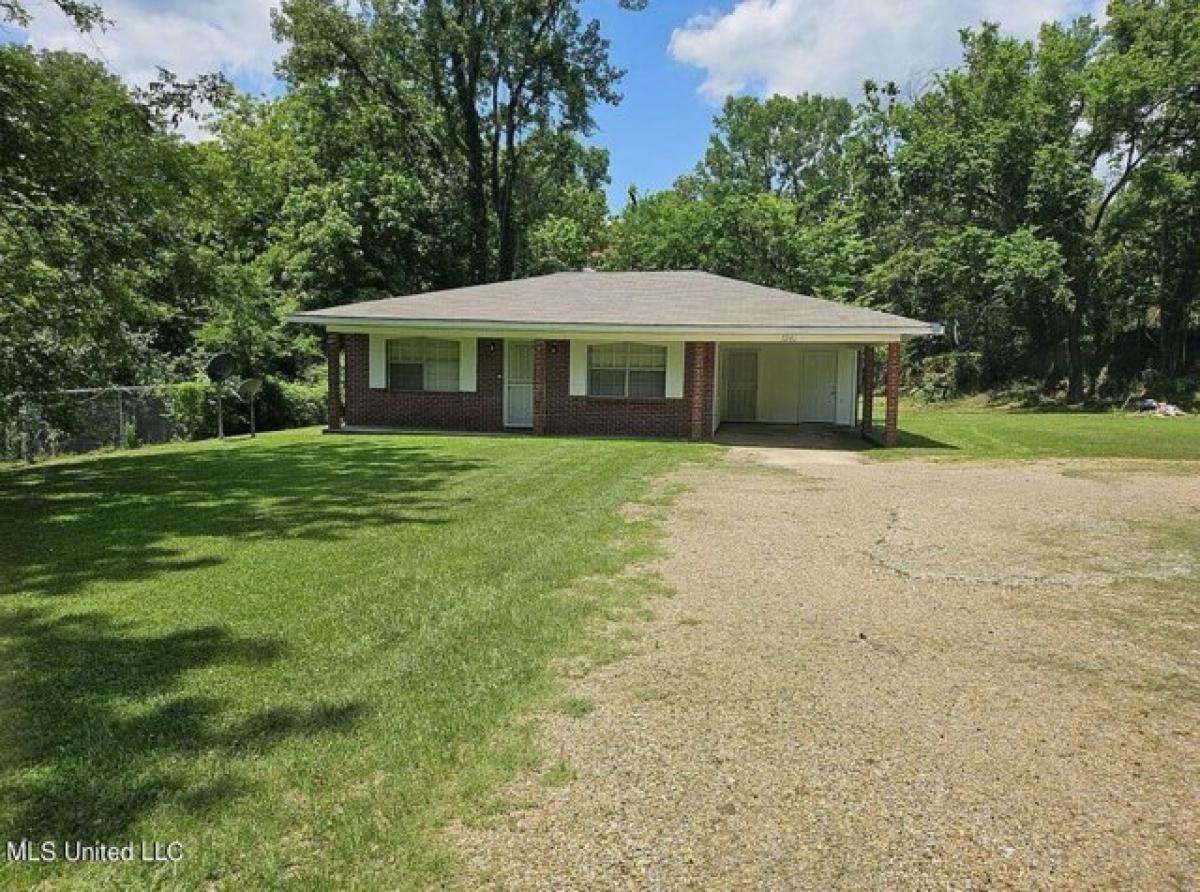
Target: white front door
<point x="818" y="386"/>
<point x="741" y="385"/>
<point x="518" y="383"/>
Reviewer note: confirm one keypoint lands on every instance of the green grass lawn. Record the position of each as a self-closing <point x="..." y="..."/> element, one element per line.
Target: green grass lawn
<point x="298" y="655"/>
<point x="958" y="432"/>
<point x="295" y="655"/>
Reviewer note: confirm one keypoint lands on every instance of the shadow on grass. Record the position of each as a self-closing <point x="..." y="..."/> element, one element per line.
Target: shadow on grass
<point x="816" y="436"/>
<point x="64" y="526"/>
<point x="93" y="738"/>
<point x="910" y="440"/>
<point x="1097" y="409"/>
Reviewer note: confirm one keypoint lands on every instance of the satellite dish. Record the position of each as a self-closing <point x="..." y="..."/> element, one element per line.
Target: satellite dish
<point x="220" y="367"/>
<point x="250" y="388"/>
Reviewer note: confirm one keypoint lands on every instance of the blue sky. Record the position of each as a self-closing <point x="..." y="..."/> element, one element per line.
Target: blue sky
<point x="682" y="56"/>
<point x="661" y="126"/>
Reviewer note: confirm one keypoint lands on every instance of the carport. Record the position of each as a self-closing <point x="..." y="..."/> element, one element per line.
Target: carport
<point x="807" y="383"/>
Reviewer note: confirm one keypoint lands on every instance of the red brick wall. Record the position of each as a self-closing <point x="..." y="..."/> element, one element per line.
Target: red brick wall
<point x="555" y="410"/>
<point x="541" y="352"/>
<point x="868" y="388"/>
<point x="700" y="367"/>
<point x="891" y="390"/>
<point x="566" y="414"/>
<point x="333" y="370"/>
<point x="482" y="410"/>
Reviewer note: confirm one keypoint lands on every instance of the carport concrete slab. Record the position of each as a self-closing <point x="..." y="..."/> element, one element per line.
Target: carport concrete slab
<point x="792" y="445"/>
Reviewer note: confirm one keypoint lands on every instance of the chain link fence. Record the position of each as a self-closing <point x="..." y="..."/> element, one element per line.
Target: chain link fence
<point x="87" y="419"/>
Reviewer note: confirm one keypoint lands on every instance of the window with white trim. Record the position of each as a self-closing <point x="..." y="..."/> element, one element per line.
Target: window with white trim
<point x="627" y="370"/>
<point x="422" y="364"/>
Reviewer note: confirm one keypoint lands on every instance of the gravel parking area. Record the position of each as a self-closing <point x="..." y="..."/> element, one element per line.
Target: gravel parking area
<point x="887" y="676"/>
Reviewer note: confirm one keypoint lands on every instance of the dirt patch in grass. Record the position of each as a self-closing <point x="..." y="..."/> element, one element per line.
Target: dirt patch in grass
<point x="884" y="676"/>
<point x="957" y="533"/>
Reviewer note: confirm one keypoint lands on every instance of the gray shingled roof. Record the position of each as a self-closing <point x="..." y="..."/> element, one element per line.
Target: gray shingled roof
<point x="667" y="300"/>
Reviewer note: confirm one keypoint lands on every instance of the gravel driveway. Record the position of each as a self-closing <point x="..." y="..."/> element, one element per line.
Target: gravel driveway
<point x="882" y="676"/>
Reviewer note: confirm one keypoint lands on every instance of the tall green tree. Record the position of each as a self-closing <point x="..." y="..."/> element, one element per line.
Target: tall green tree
<point x="979" y="207"/>
<point x="564" y="212"/>
<point x="1041" y="197"/>
<point x="768" y="203"/>
<point x="754" y="236"/>
<point x="94" y="253"/>
<point x="469" y="80"/>
<point x="791" y="147"/>
<point x="1145" y="99"/>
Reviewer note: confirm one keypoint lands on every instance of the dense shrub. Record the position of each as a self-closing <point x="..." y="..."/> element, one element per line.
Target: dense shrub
<point x="192" y="409"/>
<point x="945" y="376"/>
<point x="278" y="406"/>
<point x="30" y="432"/>
<point x="288" y="404"/>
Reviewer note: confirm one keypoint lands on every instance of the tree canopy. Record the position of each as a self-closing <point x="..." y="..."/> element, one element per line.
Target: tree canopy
<point x="1042" y="197"/>
<point x="1039" y="198"/>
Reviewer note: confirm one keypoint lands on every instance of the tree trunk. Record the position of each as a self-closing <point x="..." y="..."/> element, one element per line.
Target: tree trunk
<point x="1075" y="347"/>
<point x="477" y="191"/>
<point x="465" y="94"/>
<point x="477" y="208"/>
<point x="1173" y="332"/>
<point x="507" y="221"/>
<point x="1176" y="308"/>
<point x="507" y="261"/>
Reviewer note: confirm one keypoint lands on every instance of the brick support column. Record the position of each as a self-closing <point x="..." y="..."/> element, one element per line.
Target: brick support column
<point x="540" y="417"/>
<point x="867" y="419"/>
<point x="699" y="366"/>
<point x="333" y="360"/>
<point x="892" y="393"/>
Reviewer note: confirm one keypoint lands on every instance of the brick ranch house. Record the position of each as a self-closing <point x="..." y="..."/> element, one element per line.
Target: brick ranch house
<point x="660" y="354"/>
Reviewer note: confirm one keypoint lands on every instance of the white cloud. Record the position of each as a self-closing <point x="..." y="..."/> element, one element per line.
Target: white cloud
<point x="832" y="46"/>
<point x="188" y="38"/>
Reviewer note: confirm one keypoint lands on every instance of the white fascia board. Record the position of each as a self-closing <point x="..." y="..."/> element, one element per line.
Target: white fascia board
<point x="435" y="328"/>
